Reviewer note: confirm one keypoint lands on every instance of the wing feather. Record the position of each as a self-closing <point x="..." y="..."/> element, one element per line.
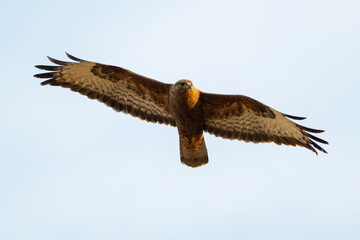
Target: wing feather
<point x="74" y="58"/>
<point x="243" y="118"/>
<point x="118" y="88"/>
<point x="294" y="117"/>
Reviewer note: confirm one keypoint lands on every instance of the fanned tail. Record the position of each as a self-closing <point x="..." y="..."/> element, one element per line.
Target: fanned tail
<point x="193" y="151"/>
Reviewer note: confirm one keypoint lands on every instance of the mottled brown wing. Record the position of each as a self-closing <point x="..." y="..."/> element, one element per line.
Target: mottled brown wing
<point x="118" y="88"/>
<point x="243" y="118"/>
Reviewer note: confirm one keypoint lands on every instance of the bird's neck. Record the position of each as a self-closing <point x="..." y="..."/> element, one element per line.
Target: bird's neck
<point x="191" y="97"/>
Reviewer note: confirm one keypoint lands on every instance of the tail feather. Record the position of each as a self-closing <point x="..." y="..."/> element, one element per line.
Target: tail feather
<point x="193" y="152"/>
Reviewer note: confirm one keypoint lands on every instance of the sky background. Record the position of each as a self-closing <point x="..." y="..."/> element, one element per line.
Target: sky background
<point x="71" y="168"/>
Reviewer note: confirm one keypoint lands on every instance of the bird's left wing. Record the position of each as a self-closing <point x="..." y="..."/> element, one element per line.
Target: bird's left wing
<point x="243" y="118"/>
<point x="117" y="87"/>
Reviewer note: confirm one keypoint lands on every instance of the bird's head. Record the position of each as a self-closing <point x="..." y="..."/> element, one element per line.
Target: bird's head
<point x="183" y="85"/>
<point x="184" y="90"/>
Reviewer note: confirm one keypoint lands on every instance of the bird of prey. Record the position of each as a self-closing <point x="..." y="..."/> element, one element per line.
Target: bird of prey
<point x="181" y="105"/>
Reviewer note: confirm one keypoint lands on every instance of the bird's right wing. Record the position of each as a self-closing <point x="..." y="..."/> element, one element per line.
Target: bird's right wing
<point x="118" y="88"/>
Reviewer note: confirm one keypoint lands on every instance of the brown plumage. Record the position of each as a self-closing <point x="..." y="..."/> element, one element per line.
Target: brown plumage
<point x="181" y="105"/>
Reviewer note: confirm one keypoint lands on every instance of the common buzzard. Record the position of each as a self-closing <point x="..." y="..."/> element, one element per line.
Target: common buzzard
<point x="181" y="105"/>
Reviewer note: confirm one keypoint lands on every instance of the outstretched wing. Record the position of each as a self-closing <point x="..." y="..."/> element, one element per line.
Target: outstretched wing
<point x="118" y="88"/>
<point x="243" y="118"/>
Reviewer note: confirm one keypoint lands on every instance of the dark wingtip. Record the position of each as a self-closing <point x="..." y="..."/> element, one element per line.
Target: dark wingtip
<point x="316" y="138"/>
<point x="74" y="58"/>
<point x="45" y="75"/>
<point x="294" y="117"/>
<point x="48" y="68"/>
<point x="317" y="147"/>
<point x="310" y="129"/>
<point x="47" y="82"/>
<point x="57" y="61"/>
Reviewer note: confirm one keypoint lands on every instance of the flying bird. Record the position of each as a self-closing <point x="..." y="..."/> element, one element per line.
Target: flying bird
<point x="181" y="105"/>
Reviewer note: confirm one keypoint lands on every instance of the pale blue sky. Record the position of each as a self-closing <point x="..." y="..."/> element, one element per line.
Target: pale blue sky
<point x="71" y="168"/>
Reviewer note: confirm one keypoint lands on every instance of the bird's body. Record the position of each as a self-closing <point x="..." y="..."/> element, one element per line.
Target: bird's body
<point x="187" y="110"/>
<point x="181" y="105"/>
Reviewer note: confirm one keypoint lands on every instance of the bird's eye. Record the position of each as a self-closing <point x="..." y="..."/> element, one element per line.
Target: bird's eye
<point x="182" y="84"/>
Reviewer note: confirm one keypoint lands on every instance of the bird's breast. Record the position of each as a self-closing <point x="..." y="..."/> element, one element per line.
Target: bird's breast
<point x="187" y="113"/>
